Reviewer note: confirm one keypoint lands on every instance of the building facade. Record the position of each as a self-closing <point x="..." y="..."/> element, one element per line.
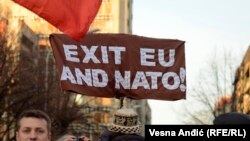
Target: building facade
<point x="241" y="95"/>
<point x="114" y="16"/>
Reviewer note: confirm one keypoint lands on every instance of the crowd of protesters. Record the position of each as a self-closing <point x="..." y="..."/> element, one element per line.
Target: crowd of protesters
<point x="35" y="125"/>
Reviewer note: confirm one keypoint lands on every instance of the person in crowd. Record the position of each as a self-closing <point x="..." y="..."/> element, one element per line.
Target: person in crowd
<point x="232" y="118"/>
<point x="69" y="137"/>
<point x="125" y="127"/>
<point x="33" y="125"/>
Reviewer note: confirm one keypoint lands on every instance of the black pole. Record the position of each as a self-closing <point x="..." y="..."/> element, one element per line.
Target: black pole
<point x="121" y="102"/>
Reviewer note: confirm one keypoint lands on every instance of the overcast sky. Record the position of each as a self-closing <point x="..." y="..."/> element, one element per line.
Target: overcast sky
<point x="205" y="26"/>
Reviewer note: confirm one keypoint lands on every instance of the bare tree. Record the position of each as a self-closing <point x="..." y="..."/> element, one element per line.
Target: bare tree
<point x="214" y="81"/>
<point x="28" y="79"/>
<point x="21" y="89"/>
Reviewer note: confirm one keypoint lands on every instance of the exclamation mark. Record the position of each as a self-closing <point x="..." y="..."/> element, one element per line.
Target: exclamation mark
<point x="182" y="76"/>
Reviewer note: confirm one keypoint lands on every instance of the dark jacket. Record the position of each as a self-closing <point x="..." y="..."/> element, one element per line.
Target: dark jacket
<point x="112" y="136"/>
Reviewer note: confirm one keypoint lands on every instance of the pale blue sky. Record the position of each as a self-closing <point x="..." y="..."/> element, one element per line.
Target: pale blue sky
<point x="205" y="25"/>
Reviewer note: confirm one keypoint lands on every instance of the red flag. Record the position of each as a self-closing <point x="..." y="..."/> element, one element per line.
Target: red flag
<point x="73" y="17"/>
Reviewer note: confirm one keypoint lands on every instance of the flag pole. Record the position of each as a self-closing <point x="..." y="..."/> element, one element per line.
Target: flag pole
<point x="121" y="102"/>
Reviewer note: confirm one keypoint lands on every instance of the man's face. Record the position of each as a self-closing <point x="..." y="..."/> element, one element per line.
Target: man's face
<point x="33" y="129"/>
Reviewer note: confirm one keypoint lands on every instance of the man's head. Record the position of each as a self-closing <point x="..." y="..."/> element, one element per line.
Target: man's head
<point x="69" y="137"/>
<point x="33" y="125"/>
<point x="126" y="122"/>
<point x="232" y="118"/>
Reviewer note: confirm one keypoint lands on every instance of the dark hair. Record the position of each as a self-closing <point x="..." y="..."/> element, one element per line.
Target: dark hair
<point x="34" y="114"/>
<point x="232" y="118"/>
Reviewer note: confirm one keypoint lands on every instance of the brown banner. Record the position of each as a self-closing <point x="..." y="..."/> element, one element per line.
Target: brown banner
<point x="121" y="65"/>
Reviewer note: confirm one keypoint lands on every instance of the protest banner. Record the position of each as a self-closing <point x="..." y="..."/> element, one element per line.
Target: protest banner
<point x="121" y="65"/>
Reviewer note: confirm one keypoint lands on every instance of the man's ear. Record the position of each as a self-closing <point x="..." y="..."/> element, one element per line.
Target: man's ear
<point x="50" y="136"/>
<point x="17" y="136"/>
